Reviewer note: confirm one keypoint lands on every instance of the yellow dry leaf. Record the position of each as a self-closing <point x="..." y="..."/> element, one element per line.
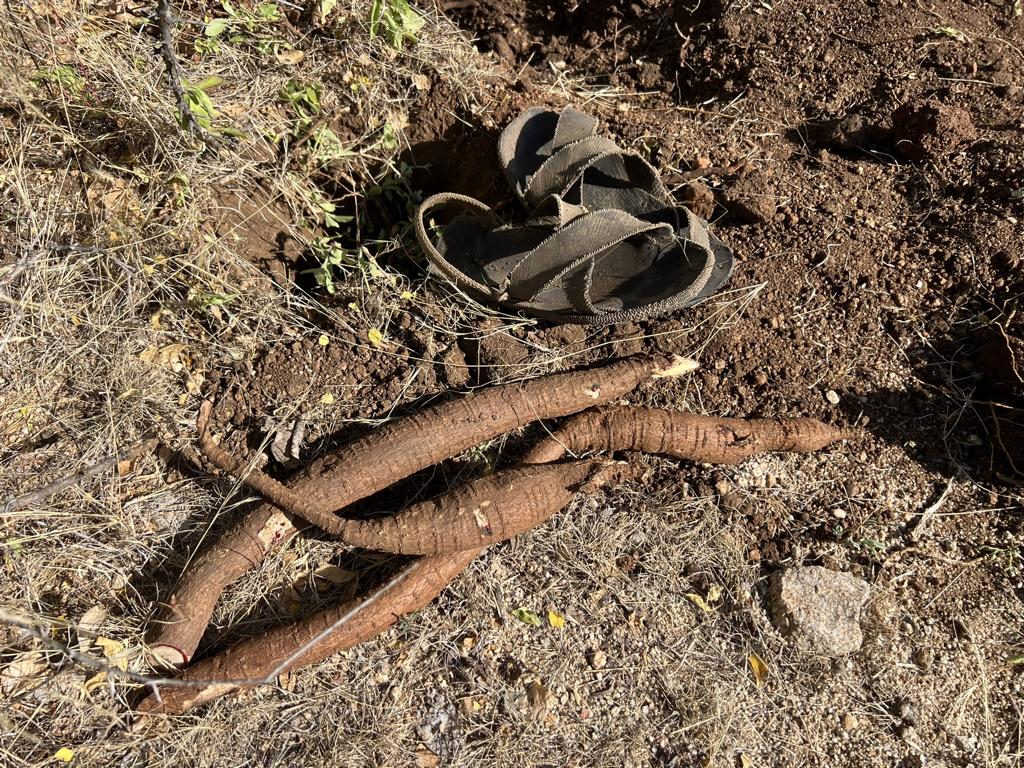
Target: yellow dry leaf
<point x="293" y="56"/>
<point x="745" y="761"/>
<point x="375" y="336"/>
<point x="171" y="355"/>
<point x="324" y="340"/>
<point x="94" y="682"/>
<point x="555" y="619"/>
<point x="699" y="601"/>
<point x="327" y="398"/>
<point x="114" y="651"/>
<point x="64" y="755"/>
<point x="426" y="758"/>
<point x="333" y="574"/>
<point x="759" y="668"/>
<point x="714" y="593"/>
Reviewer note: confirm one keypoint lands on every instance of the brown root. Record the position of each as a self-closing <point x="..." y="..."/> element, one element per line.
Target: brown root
<point x="489" y="510"/>
<point x="705" y="439"/>
<point x="182" y="619"/>
<point x="404" y="447"/>
<point x="371" y="463"/>
<point x="256" y="660"/>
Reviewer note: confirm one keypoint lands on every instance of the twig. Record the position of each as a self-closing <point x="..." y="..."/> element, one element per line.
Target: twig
<point x="929" y="513"/>
<point x="165" y="22"/>
<point x="35" y="497"/>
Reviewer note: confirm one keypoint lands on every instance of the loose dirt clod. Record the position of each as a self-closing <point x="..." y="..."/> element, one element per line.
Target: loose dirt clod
<point x="683" y="435"/>
<point x="930" y="129"/>
<point x="367" y="465"/>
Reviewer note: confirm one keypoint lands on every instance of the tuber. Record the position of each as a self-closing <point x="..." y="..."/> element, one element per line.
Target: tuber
<point x="309" y="640"/>
<point x="705" y="439"/>
<point x="373" y="462"/>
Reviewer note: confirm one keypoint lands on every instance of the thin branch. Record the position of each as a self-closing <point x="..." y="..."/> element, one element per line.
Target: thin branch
<point x="165" y="23"/>
<point x="929" y="513"/>
<point x="32" y="498"/>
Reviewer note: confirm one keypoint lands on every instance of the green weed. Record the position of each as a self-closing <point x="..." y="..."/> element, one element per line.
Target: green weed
<point x="396" y="21"/>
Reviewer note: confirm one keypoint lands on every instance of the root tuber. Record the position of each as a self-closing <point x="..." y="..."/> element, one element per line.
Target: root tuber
<point x="371" y="463"/>
<point x="253" y="661"/>
<point x="705" y="439"/>
<point x="486" y="511"/>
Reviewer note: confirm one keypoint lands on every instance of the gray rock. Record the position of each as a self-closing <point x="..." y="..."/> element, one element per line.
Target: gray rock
<point x="818" y="609"/>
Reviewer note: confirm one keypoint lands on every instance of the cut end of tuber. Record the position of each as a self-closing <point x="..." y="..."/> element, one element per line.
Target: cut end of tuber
<point x="678" y="366"/>
<point x="163" y="656"/>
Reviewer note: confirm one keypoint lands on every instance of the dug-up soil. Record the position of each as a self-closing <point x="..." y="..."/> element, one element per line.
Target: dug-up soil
<point x="865" y="160"/>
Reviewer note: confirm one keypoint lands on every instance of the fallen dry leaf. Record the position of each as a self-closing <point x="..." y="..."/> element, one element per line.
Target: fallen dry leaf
<point x="539" y="697"/>
<point x="26" y="672"/>
<point x="698" y="601"/>
<point x="425" y="757"/>
<point x="759" y="668"/>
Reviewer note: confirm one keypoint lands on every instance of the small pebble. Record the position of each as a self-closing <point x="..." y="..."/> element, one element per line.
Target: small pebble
<point x="832" y="396"/>
<point x="839" y="513"/>
<point x="924" y="658"/>
<point x="850" y="722"/>
<point x="598" y="659"/>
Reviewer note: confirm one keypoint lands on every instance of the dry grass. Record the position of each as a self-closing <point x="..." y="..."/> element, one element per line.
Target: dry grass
<point x="120" y="301"/>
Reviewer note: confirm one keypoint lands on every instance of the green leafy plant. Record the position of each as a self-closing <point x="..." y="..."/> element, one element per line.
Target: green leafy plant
<point x="241" y="25"/>
<point x="201" y="106"/>
<point x="331" y="257"/>
<point x="396" y="21"/>
<point x="328" y="210"/>
<point x="67" y="78"/>
<point x="206" y="299"/>
<point x="327" y="146"/>
<point x="304" y="99"/>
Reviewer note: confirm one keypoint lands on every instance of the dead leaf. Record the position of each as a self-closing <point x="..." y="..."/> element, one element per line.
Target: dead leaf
<point x="745" y="761"/>
<point x="334" y="574"/>
<point x="114" y="651"/>
<point x="699" y="601"/>
<point x="170" y="355"/>
<point x="425" y="757"/>
<point x="291" y="56"/>
<point x="94" y="682"/>
<point x="26" y="672"/>
<point x="556" y="620"/>
<point x="539" y="697"/>
<point x="287" y="681"/>
<point x="88" y="625"/>
<point x="759" y="668"/>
